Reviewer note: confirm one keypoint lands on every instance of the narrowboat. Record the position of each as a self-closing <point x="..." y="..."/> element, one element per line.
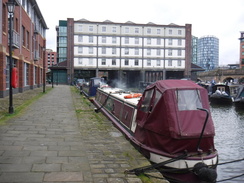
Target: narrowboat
<point x="221" y="94"/>
<point x="89" y="89"/>
<point x="239" y="98"/>
<point x="169" y="123"/>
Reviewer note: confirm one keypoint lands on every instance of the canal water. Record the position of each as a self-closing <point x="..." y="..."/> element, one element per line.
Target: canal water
<point x="229" y="141"/>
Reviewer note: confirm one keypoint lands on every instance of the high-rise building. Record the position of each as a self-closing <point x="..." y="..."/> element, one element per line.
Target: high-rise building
<point x="242" y="50"/>
<point x="208" y="52"/>
<point x="128" y="51"/>
<point x="28" y="46"/>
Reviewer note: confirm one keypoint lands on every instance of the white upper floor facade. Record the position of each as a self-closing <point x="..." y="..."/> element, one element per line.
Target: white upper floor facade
<point x="111" y="45"/>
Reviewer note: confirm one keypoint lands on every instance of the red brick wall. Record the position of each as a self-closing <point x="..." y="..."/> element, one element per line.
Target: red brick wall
<point x="24" y="53"/>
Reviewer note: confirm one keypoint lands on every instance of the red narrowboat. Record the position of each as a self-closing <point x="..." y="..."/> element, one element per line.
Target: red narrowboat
<point x="170" y="124"/>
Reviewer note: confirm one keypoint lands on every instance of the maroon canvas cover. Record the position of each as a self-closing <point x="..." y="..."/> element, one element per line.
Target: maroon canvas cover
<point x="170" y="129"/>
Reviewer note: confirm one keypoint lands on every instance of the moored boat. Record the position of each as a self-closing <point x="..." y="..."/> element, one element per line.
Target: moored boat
<point x="239" y="98"/>
<point x="220" y="94"/>
<point x="170" y="124"/>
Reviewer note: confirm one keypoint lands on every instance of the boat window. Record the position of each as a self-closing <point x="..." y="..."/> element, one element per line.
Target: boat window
<point x="146" y="101"/>
<point x="188" y="99"/>
<point x="157" y="97"/>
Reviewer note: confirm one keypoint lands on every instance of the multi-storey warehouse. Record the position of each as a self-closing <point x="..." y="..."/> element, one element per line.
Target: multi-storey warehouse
<point x="28" y="46"/>
<point x="128" y="51"/>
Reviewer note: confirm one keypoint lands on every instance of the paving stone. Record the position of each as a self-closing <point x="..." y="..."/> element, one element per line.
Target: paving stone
<point x="63" y="176"/>
<point x="46" y="167"/>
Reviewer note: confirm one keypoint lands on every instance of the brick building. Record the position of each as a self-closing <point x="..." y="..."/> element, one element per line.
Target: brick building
<point x="242" y="50"/>
<point x="51" y="57"/>
<point x="29" y="43"/>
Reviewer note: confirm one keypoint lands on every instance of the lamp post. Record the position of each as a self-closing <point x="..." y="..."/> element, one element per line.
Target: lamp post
<point x="11" y="5"/>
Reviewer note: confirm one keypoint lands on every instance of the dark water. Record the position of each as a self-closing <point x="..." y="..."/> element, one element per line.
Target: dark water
<point x="229" y="141"/>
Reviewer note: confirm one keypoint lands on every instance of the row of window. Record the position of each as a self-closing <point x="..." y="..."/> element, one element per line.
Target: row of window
<point x="128" y="62"/>
<point x="26" y="73"/>
<point x="135" y="30"/>
<point x="127" y="51"/>
<point x="128" y="40"/>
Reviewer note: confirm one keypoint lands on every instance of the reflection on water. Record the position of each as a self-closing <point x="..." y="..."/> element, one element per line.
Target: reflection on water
<point x="229" y="140"/>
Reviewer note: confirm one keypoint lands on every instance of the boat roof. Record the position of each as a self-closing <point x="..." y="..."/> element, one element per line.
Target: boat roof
<point x="120" y="94"/>
<point x="174" y="84"/>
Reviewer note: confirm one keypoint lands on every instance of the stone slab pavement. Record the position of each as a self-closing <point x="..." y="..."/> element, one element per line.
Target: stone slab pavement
<point x="59" y="138"/>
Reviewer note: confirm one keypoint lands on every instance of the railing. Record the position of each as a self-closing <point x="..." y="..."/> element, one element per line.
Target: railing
<point x="16" y="40"/>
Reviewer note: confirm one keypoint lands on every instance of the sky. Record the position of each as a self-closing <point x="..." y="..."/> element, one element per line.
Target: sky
<point x="223" y="19"/>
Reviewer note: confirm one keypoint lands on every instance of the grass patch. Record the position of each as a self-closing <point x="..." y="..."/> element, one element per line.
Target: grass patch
<point x="20" y="109"/>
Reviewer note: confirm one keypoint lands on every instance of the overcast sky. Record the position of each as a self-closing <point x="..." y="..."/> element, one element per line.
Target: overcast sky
<point x="223" y="19"/>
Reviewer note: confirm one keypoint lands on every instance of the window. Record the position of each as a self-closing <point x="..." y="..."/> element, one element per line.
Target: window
<point x="114" y="40"/>
<point x="126" y="40"/>
<point x="26" y="74"/>
<point x="170" y="53"/>
<point x="188" y="99"/>
<point x="127" y="30"/>
<point x="148" y="41"/>
<point x="90" y="39"/>
<point x="80" y="49"/>
<point x="7" y="72"/>
<point x="148" y="62"/>
<point x="103" y="29"/>
<point x="145" y="106"/>
<point x="158" y="63"/>
<point x="23" y="35"/>
<point x="179" y="42"/>
<point x="80" y="61"/>
<point x="136" y="30"/>
<point x="103" y="50"/>
<point x="158" y="41"/>
<point x="80" y="38"/>
<point x="113" y="51"/>
<point x="90" y="61"/>
<point x="126" y="51"/>
<point x="80" y="28"/>
<point x="170" y="41"/>
<point x="103" y="39"/>
<point x="170" y="31"/>
<point x="170" y="63"/>
<point x="90" y="50"/>
<point x="148" y="51"/>
<point x="158" y="31"/>
<point x="114" y="29"/>
<point x="136" y="62"/>
<point x="103" y="61"/>
<point x="113" y="61"/>
<point x="27" y="39"/>
<point x="136" y="51"/>
<point x="179" y="62"/>
<point x="136" y="40"/>
<point x="158" y="52"/>
<point x="179" y="32"/>
<point x="149" y="30"/>
<point x="126" y="61"/>
<point x="90" y="28"/>
<point x="179" y="52"/>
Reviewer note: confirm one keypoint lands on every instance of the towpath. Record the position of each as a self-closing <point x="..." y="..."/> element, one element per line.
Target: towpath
<point x="60" y="139"/>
